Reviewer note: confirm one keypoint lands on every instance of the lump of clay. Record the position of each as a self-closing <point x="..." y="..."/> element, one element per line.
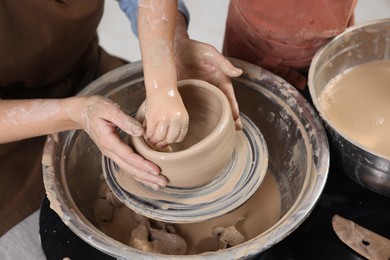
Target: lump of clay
<point x="112" y="199"/>
<point x="103" y="210"/>
<point x="162" y="239"/>
<point x="106" y="193"/>
<point x="103" y="190"/>
<point x="167" y="243"/>
<point x="228" y="236"/>
<point x="139" y="238"/>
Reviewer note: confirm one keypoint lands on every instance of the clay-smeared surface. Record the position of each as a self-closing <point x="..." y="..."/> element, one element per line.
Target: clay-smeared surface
<point x="261" y="211"/>
<point x="357" y="103"/>
<point x="255" y="216"/>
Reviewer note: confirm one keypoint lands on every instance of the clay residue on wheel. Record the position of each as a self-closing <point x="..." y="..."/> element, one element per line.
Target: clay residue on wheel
<point x="259" y="213"/>
<point x="157" y="237"/>
<point x="147" y="235"/>
<point x="229" y="236"/>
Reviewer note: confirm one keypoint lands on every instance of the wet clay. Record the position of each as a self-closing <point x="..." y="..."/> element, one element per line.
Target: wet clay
<point x="133" y="229"/>
<point x="252" y="218"/>
<point x="357" y="103"/>
<point x="161" y="238"/>
<point x="228" y="236"/>
<point x="134" y="187"/>
<point x="238" y="181"/>
<point x="208" y="145"/>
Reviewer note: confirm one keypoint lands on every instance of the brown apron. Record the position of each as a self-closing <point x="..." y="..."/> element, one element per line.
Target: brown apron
<point x="283" y="36"/>
<point x="48" y="49"/>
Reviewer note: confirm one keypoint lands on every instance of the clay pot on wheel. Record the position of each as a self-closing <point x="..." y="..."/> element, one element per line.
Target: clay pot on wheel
<point x="209" y="144"/>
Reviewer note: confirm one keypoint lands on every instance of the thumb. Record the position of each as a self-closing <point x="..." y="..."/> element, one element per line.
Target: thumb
<point x="228" y="68"/>
<point x="130" y="125"/>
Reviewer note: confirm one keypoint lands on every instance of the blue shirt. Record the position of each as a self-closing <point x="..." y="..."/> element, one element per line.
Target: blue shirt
<point x="130" y="8"/>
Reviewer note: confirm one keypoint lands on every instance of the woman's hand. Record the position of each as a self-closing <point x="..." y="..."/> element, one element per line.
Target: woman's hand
<point x="100" y="118"/>
<point x="202" y="61"/>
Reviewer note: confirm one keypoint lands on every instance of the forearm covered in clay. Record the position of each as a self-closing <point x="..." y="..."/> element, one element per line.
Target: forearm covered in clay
<point x="21" y="119"/>
<point x="156" y="24"/>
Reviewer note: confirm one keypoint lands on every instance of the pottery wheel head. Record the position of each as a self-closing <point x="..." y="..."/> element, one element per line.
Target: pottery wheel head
<point x="232" y="185"/>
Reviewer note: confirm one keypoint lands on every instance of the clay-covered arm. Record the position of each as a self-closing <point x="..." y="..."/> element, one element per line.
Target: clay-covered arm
<point x="98" y="116"/>
<point x="166" y="116"/>
<point x="202" y="61"/>
<point x="21" y="119"/>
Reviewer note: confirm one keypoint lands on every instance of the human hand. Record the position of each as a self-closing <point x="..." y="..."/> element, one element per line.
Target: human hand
<point x="100" y="117"/>
<point x="166" y="118"/>
<point x="202" y="61"/>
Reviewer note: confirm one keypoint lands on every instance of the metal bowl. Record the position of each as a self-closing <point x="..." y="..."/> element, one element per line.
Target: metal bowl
<point x="298" y="159"/>
<point x="357" y="45"/>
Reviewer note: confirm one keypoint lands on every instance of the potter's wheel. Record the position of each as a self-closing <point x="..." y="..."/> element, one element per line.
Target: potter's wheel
<point x="232" y="187"/>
